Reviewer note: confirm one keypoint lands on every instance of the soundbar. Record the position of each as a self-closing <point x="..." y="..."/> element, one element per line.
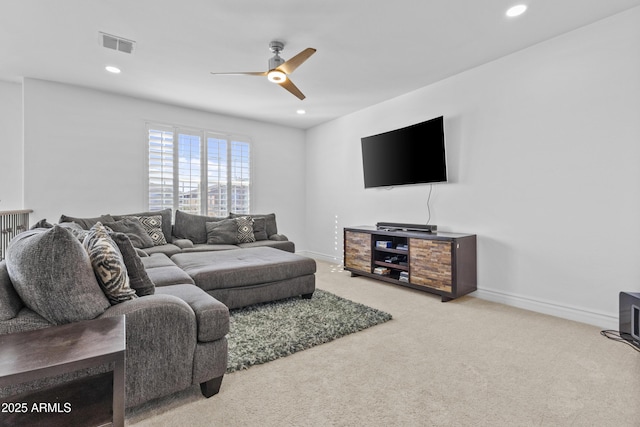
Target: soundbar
<point x="398" y="226"/>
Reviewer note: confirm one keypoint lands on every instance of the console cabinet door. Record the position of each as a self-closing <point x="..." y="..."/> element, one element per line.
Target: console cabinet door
<point x="430" y="264"/>
<point x="357" y="253"/>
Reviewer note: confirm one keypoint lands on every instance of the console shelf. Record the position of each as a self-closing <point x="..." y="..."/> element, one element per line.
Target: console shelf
<point x="440" y="263"/>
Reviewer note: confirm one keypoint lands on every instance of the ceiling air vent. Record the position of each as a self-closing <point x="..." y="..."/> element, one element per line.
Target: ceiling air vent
<point x="117" y="43"/>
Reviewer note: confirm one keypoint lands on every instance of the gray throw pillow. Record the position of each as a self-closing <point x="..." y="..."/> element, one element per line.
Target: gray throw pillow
<point x="259" y="229"/>
<point x="10" y="302"/>
<point x="51" y="272"/>
<point x="75" y="229"/>
<point x="222" y="232"/>
<point x="138" y="278"/>
<point x="192" y="227"/>
<point x="86" y="223"/>
<point x="41" y="224"/>
<point x="108" y="265"/>
<point x="166" y="215"/>
<point x="134" y="230"/>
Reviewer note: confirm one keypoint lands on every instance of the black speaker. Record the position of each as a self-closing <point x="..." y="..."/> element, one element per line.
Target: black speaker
<point x="630" y="317"/>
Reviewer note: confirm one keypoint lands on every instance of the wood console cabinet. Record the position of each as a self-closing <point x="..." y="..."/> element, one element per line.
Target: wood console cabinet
<point x="440" y="263"/>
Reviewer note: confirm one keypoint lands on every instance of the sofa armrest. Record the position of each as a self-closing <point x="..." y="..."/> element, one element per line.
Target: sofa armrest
<point x="26" y="320"/>
<point x="161" y="343"/>
<point x="182" y="243"/>
<point x="278" y="237"/>
<point x="212" y="316"/>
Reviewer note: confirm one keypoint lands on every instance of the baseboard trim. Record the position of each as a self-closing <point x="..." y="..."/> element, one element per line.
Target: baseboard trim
<point x="602" y="320"/>
<point x="321" y="257"/>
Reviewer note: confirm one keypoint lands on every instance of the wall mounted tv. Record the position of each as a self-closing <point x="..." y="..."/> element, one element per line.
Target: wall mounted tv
<point x="411" y="155"/>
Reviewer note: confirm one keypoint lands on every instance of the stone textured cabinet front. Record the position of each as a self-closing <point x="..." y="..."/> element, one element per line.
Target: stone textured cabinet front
<point x="357" y="251"/>
<point x="430" y="263"/>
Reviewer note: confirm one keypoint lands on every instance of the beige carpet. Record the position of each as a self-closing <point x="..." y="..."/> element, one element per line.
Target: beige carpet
<point x="467" y="362"/>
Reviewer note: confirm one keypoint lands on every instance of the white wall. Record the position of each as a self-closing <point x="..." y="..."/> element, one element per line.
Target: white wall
<point x="85" y="154"/>
<point x="11" y="179"/>
<point x="543" y="154"/>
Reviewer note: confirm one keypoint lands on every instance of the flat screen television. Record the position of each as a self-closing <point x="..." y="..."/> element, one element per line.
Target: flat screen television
<point x="411" y="155"/>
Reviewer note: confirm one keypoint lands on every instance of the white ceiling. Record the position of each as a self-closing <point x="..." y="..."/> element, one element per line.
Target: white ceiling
<point x="368" y="50"/>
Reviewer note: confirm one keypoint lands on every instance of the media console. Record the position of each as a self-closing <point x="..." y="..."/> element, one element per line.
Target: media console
<point x="440" y="263"/>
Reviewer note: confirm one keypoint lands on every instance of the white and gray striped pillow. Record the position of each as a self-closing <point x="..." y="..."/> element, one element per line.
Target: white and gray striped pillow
<point x="108" y="265"/>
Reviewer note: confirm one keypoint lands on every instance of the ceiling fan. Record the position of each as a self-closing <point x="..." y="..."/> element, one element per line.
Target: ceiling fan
<point x="279" y="69"/>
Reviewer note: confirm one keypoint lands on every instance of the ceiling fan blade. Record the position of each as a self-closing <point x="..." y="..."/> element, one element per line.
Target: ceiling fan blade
<point x="288" y="85"/>
<point x="250" y="73"/>
<point x="289" y="66"/>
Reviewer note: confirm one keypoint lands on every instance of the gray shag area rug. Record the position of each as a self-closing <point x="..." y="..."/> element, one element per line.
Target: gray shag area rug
<point x="265" y="332"/>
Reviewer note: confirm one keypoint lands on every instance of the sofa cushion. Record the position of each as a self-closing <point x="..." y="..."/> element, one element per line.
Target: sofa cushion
<point x="10" y="302"/>
<point x="246" y="267"/>
<point x="222" y="232"/>
<point x="108" y="265"/>
<point x="168" y="249"/>
<point x="192" y="227"/>
<point x="86" y="223"/>
<point x="271" y="226"/>
<point x="212" y="316"/>
<point x="204" y="247"/>
<point x="52" y="273"/>
<point x="163" y="272"/>
<point x="166" y="215"/>
<point x="138" y="277"/>
<point x="132" y="227"/>
<point x="284" y="245"/>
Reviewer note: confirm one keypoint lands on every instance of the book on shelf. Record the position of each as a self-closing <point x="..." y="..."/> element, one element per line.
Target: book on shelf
<point x="384" y="244"/>
<point x="382" y="271"/>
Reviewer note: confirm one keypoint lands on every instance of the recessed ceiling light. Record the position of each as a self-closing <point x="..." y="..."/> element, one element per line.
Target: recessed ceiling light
<point x="301" y="112"/>
<point x="112" y="69"/>
<point x="516" y="10"/>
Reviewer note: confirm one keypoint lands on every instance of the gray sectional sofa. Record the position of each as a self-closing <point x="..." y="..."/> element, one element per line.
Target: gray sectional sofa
<point x="176" y="337"/>
<point x="200" y="267"/>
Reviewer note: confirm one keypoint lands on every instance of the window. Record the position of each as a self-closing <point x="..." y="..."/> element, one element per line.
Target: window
<point x="199" y="172"/>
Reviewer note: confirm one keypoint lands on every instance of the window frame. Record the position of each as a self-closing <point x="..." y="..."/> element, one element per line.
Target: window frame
<point x="204" y="135"/>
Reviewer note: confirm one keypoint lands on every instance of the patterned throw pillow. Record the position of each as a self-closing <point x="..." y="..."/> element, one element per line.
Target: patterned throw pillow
<point x="153" y="226"/>
<point x="108" y="265"/>
<point x="245" y="229"/>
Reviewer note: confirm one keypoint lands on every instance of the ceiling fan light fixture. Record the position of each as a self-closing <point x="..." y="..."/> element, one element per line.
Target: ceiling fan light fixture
<point x="516" y="10"/>
<point x="276" y="76"/>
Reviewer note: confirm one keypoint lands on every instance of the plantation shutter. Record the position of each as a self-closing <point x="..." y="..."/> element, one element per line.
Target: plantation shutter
<point x="161" y="171"/>
<point x="240" y="177"/>
<point x="197" y="171"/>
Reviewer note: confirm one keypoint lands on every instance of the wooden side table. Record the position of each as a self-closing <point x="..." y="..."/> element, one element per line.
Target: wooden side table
<point x="32" y="355"/>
